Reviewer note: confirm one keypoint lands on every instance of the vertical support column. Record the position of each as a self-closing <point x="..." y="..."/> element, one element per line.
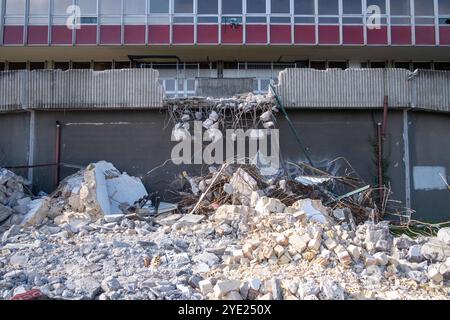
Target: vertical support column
<point x="57" y="153"/>
<point x="31" y="145"/>
<point x="25" y="22"/>
<point x="406" y="159"/>
<point x="2" y="19"/>
<point x="436" y="23"/>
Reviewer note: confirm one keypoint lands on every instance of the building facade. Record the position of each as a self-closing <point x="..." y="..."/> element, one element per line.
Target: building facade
<point x="188" y="39"/>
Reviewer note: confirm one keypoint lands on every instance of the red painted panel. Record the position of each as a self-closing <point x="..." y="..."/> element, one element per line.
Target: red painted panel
<point x="444" y="35"/>
<point x="401" y="35"/>
<point x="110" y="34"/>
<point x="377" y="36"/>
<point x="37" y="34"/>
<point x="329" y="34"/>
<point x="134" y="34"/>
<point x="159" y="34"/>
<point x="183" y="33"/>
<point x="280" y="34"/>
<point x="13" y="35"/>
<point x="61" y="35"/>
<point x="305" y="34"/>
<point x="207" y="33"/>
<point x="353" y="34"/>
<point x="425" y="35"/>
<point x="256" y="33"/>
<point x="86" y="35"/>
<point x="232" y="35"/>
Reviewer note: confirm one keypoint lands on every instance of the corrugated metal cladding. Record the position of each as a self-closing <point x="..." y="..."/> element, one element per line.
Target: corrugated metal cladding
<point x="80" y="89"/>
<point x="351" y="88"/>
<point x="431" y="90"/>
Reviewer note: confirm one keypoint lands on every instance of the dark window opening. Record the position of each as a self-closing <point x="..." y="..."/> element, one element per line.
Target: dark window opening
<point x="378" y="65"/>
<point x="319" y="65"/>
<point x="37" y="65"/>
<point x="100" y="66"/>
<point x="2" y="66"/>
<point x="81" y="65"/>
<point x="61" y="66"/>
<point x="337" y="65"/>
<point x="17" y="66"/>
<point x="122" y="65"/>
<point x="402" y="65"/>
<point x="422" y="65"/>
<point x="230" y="65"/>
<point x="442" y="66"/>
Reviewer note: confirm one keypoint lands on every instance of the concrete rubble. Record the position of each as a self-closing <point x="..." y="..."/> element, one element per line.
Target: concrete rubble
<point x="249" y="245"/>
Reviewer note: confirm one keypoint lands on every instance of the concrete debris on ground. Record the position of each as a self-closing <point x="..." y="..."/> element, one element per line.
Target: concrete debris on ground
<point x="245" y="244"/>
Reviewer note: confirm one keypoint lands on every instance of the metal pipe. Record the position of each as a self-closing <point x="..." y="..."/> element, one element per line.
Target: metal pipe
<point x="380" y="158"/>
<point x="58" y="153"/>
<point x="32" y="166"/>
<point x="385" y="115"/>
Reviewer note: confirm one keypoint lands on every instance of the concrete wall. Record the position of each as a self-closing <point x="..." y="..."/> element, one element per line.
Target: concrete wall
<point x="430" y="165"/>
<point x="14" y="134"/>
<point x="138" y="142"/>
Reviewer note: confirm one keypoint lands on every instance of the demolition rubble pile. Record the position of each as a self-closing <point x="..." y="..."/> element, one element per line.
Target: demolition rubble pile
<point x="16" y="204"/>
<point x="240" y="243"/>
<point x="242" y="111"/>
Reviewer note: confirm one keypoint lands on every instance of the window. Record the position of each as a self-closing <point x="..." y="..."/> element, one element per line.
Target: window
<point x="402" y="65"/>
<point x="444" y="66"/>
<point x="60" y="6"/>
<point x="328" y="7"/>
<point x="400" y="8"/>
<point x="183" y="6"/>
<point x="159" y="6"/>
<point x="208" y="7"/>
<point x="100" y="66"/>
<point x="232" y="7"/>
<point x="444" y="7"/>
<point x="352" y="6"/>
<point x="111" y="7"/>
<point x="422" y="65"/>
<point x="61" y="66"/>
<point x="37" y="65"/>
<point x="15" y="7"/>
<point x="88" y="7"/>
<point x="337" y="65"/>
<point x="280" y="6"/>
<point x="256" y="6"/>
<point x="304" y="7"/>
<point x="17" y="66"/>
<point x="319" y="65"/>
<point x="134" y="7"/>
<point x="39" y="7"/>
<point x="423" y="8"/>
<point x="379" y="3"/>
<point x="121" y="65"/>
<point x="81" y="65"/>
<point x="2" y="66"/>
<point x="377" y="64"/>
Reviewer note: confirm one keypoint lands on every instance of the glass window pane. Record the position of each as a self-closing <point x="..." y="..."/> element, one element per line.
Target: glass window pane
<point x="232" y="7"/>
<point x="319" y="65"/>
<point x="379" y="3"/>
<point x="256" y="20"/>
<point x="256" y="6"/>
<point x="61" y="66"/>
<point x="337" y="65"/>
<point x="402" y="65"/>
<point x="352" y="6"/>
<point x="15" y="7"/>
<point x="39" y="7"/>
<point x="183" y="6"/>
<point x="17" y="65"/>
<point x="112" y="7"/>
<point x="159" y="6"/>
<point x="304" y="7"/>
<point x="328" y="7"/>
<point x="424" y="7"/>
<point x="136" y="7"/>
<point x="280" y="6"/>
<point x="60" y="6"/>
<point x="442" y="66"/>
<point x="88" y="7"/>
<point x="208" y="7"/>
<point x="444" y="7"/>
<point x="400" y="8"/>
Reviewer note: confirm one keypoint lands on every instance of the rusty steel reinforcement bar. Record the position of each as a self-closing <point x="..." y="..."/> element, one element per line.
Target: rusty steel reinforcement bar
<point x="291" y="126"/>
<point x="58" y="153"/>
